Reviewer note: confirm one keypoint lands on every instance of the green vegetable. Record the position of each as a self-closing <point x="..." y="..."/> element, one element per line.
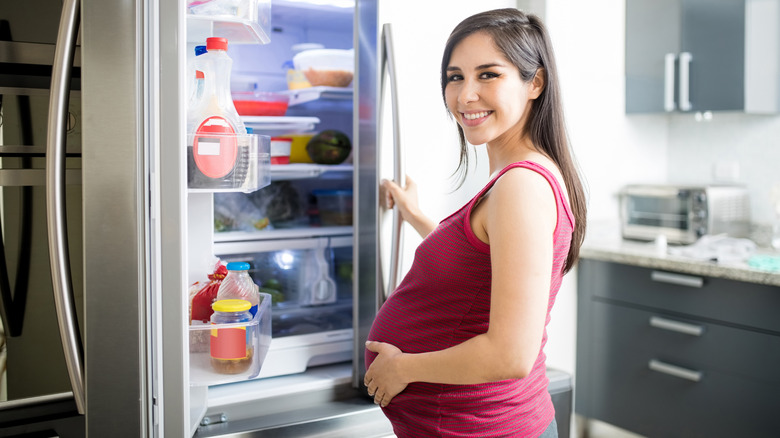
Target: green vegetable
<point x="276" y="296"/>
<point x="329" y="147"/>
<point x="273" y="284"/>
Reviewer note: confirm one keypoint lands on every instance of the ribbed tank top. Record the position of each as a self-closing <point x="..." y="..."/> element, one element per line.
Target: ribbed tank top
<point x="443" y="301"/>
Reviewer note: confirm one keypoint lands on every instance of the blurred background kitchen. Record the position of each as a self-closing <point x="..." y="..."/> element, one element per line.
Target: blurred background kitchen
<point x="736" y="145"/>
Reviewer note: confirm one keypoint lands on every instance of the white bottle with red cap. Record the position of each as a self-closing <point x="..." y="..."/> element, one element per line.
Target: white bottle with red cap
<point x="215" y="156"/>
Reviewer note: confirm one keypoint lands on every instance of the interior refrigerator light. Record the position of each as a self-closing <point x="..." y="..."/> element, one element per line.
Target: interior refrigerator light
<point x="284" y="259"/>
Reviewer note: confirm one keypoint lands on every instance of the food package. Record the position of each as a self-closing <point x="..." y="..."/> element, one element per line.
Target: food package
<point x="203" y="294"/>
<point x="237" y="212"/>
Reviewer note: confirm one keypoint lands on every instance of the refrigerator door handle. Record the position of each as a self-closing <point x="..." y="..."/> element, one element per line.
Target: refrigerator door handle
<point x="399" y="174"/>
<point x="55" y="199"/>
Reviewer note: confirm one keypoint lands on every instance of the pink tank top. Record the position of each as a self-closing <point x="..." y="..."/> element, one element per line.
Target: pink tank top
<point x="443" y="301"/>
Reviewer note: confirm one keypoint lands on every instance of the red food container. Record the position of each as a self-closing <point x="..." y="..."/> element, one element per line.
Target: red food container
<point x="280" y="150"/>
<point x="257" y="103"/>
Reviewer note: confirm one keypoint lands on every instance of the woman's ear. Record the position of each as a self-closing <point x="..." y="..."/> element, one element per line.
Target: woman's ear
<point x="537" y="84"/>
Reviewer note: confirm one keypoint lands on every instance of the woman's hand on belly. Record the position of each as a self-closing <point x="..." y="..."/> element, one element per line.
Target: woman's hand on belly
<point x="383" y="379"/>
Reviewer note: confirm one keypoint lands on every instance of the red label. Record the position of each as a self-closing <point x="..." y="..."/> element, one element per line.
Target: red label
<point x="215" y="155"/>
<point x="228" y="343"/>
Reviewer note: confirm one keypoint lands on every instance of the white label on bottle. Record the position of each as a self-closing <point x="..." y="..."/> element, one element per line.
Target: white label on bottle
<point x="208" y="146"/>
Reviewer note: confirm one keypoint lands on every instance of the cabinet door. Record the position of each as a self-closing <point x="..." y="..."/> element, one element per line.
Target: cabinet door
<point x="713" y="32"/>
<point x="685" y="55"/>
<point x="652" y="31"/>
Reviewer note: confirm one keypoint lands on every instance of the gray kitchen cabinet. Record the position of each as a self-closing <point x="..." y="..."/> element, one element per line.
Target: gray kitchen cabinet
<point x="702" y="55"/>
<point x="667" y="354"/>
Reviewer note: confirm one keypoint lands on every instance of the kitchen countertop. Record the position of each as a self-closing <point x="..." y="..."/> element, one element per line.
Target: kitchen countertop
<point x="603" y="242"/>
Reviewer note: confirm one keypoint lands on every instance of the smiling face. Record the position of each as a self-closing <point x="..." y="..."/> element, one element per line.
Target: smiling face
<point x="485" y="92"/>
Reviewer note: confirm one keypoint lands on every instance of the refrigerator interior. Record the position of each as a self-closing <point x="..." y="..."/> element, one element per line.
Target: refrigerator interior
<point x="295" y="251"/>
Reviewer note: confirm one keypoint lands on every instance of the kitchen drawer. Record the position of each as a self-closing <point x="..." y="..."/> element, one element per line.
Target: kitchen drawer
<point x="736" y="302"/>
<point x="698" y="346"/>
<point x="735" y="398"/>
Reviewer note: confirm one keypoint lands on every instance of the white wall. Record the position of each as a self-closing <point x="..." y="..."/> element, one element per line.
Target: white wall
<point x="749" y="142"/>
<point x="428" y="135"/>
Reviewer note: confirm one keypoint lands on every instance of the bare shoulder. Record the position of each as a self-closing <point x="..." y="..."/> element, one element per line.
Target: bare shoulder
<point x="522" y="199"/>
<point x="519" y="186"/>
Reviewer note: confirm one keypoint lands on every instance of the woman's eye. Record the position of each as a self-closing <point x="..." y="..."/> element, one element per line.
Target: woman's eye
<point x="453" y="78"/>
<point x="488" y="75"/>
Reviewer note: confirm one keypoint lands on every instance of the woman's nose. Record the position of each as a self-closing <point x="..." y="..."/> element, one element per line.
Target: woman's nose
<point x="469" y="92"/>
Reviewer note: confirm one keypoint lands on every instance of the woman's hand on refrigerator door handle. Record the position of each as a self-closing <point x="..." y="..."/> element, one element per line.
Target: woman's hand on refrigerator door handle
<point x="407" y="202"/>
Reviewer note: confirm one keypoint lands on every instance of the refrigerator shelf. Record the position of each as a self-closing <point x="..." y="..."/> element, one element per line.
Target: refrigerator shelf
<point x="293" y="171"/>
<point x="282" y="234"/>
<point x="280" y="124"/>
<point x="303" y="95"/>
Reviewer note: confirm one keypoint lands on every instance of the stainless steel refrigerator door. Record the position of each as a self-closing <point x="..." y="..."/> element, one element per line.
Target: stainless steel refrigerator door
<point x="366" y="263"/>
<point x="119" y="76"/>
<point x="34" y="364"/>
<point x="38" y="396"/>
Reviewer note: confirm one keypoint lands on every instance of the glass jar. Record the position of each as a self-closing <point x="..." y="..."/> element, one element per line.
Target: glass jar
<point x="231" y="347"/>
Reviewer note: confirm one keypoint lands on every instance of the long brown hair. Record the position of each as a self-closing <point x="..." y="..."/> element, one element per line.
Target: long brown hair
<point x="524" y="40"/>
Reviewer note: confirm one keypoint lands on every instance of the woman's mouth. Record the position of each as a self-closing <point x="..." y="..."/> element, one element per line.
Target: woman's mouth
<point x="475" y="118"/>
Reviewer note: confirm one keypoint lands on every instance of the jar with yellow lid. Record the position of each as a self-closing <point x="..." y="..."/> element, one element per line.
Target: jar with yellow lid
<point x="231" y="346"/>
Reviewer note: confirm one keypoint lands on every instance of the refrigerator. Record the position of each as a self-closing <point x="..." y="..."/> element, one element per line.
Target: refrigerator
<point x="103" y="238"/>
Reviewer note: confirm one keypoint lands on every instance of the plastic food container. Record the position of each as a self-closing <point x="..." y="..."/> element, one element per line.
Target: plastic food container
<point x="280" y="150"/>
<point x="258" y="103"/>
<point x="326" y="67"/>
<point x="257" y="337"/>
<point x="335" y="206"/>
<point x="218" y="162"/>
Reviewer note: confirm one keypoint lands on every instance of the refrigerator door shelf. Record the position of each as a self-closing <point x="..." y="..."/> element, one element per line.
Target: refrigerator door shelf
<point x="257" y="333"/>
<point x="218" y="162"/>
<point x="247" y="25"/>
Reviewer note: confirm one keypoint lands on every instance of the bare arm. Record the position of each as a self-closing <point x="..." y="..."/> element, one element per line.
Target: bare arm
<point x="407" y="202"/>
<point x="519" y="219"/>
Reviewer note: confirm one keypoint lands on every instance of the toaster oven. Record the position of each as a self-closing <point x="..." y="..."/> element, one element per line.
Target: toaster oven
<point x="683" y="213"/>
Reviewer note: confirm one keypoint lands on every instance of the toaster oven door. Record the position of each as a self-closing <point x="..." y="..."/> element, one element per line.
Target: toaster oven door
<point x="648" y="213"/>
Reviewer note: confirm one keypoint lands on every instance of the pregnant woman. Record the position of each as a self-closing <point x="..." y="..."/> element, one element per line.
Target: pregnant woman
<point x="457" y="349"/>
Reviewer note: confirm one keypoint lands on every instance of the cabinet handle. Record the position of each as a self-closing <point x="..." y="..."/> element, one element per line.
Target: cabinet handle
<point x="669" y="60"/>
<point x="678" y="279"/>
<point x="674" y="370"/>
<point x="685" y="81"/>
<point x="676" y="326"/>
